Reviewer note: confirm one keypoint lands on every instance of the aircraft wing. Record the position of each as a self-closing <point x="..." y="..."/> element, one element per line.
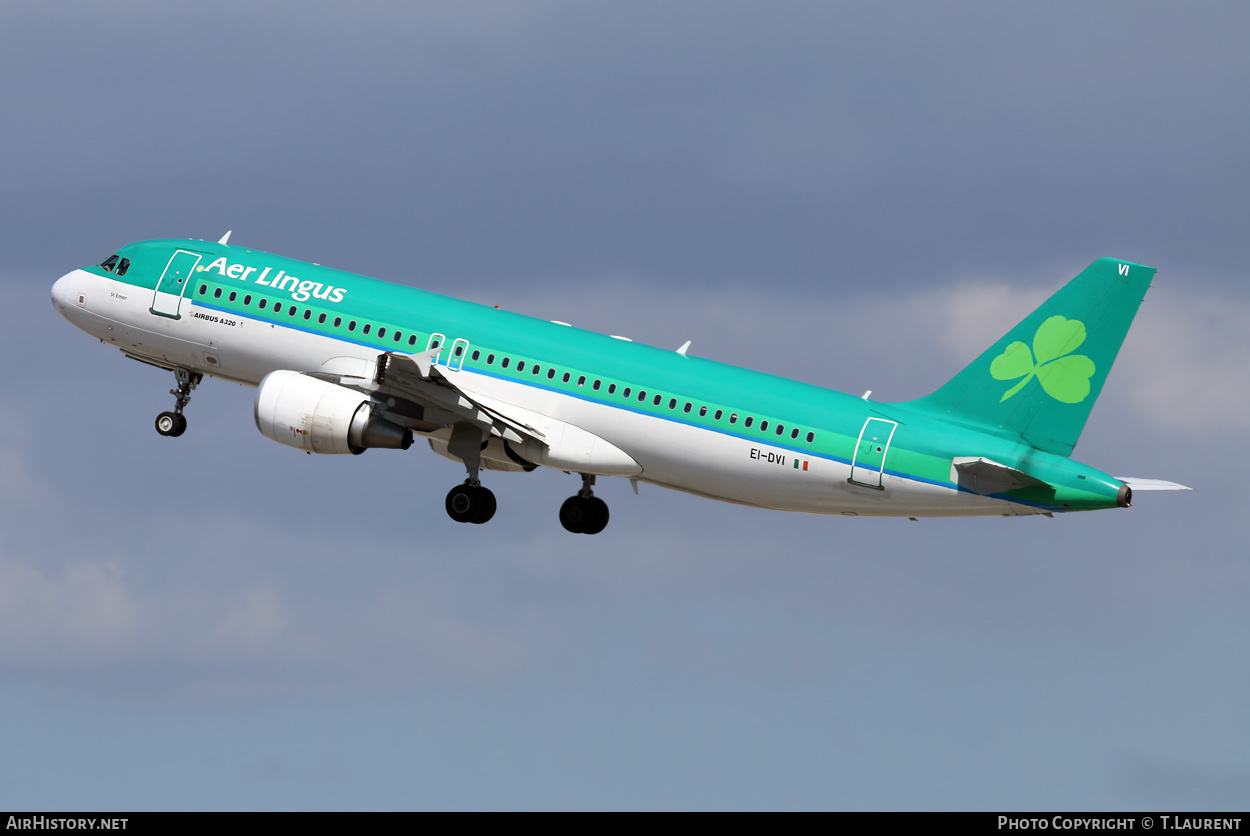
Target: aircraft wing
<point x="417" y="377"/>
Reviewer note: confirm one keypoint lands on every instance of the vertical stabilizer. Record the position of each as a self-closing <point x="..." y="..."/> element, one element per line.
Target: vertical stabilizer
<point x="1039" y="382"/>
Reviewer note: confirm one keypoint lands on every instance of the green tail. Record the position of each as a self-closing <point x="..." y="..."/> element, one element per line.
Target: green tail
<point x="1039" y="382"/>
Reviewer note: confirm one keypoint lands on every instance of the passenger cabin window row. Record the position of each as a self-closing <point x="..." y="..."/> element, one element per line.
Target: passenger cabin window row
<point x="628" y="393"/>
<point x="519" y="367"/>
<point x="293" y="310"/>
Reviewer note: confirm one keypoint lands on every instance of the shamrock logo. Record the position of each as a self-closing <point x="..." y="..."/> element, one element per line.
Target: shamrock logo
<point x="1064" y="375"/>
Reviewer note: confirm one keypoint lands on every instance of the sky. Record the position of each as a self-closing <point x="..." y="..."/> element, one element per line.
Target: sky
<point x="860" y="196"/>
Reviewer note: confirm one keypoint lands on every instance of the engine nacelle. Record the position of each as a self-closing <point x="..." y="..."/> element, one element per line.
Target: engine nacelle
<point x="310" y="414"/>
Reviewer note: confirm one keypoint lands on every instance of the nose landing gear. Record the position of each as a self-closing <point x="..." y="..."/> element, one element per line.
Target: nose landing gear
<point x="584" y="513"/>
<point x="174" y="423"/>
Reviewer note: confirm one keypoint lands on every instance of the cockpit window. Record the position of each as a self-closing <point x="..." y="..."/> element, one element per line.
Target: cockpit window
<point x="123" y="266"/>
<point x="109" y="263"/>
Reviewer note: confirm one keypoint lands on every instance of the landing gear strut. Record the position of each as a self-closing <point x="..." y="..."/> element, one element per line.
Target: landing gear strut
<point x="584" y="513"/>
<point x="174" y="423"/>
<point x="470" y="502"/>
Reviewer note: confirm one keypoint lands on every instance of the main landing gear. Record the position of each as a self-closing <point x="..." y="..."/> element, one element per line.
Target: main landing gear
<point x="584" y="513"/>
<point x="174" y="423"/>
<point x="470" y="502"/>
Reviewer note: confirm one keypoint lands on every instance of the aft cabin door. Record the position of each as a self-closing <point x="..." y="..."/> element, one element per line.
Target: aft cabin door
<point x="870" y="452"/>
<point x="174" y="283"/>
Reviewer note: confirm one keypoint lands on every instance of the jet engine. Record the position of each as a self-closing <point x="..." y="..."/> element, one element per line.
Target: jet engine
<point x="313" y="415"/>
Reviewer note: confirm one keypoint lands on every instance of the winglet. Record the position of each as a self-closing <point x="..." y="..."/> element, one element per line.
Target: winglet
<point x="684" y="346"/>
<point x="225" y="239"/>
<point x="426" y="360"/>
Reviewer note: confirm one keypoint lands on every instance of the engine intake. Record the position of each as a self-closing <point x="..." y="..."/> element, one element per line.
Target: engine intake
<point x="319" y="417"/>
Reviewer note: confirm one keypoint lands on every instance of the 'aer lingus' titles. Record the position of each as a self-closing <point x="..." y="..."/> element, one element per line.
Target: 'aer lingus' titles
<point x="301" y="291"/>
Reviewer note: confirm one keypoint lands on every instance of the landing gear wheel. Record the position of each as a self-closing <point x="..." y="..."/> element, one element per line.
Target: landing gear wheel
<point x="488" y="505"/>
<point x="598" y="516"/>
<point x="584" y="514"/>
<point x="574" y="514"/>
<point x="470" y="504"/>
<point x="172" y="424"/>
<point x="464" y="503"/>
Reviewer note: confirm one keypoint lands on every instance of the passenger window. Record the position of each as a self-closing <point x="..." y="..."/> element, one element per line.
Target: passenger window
<point x="109" y="263"/>
<point x="566" y="377"/>
<point x="365" y="330"/>
<point x="262" y="303"/>
<point x="505" y="362"/>
<point x="794" y="433"/>
<point x="611" y="387"/>
<point x="381" y="332"/>
<point x="247" y="300"/>
<point x="672" y="403"/>
<point x="232" y="296"/>
<point x="625" y="394"/>
<point x="412" y="339"/>
<point x="642" y="395"/>
<point x="338" y="320"/>
<point x="321" y="319"/>
<point x="277" y="307"/>
<point x="748" y="421"/>
<point x="351" y="326"/>
<point x="596" y="387"/>
<point x="476" y="355"/>
<point x="657" y="400"/>
<point x="687" y="408"/>
<point x="763" y="426"/>
<point x="811" y="437"/>
<point x="781" y="428"/>
<point x="292" y="311"/>
<point x="581" y="381"/>
<point x="308" y="314"/>
<point x="490" y="359"/>
<point x="733" y="418"/>
<point x="551" y="373"/>
<point x="398" y="334"/>
<point x="459" y="350"/>
<point x="217" y="293"/>
<point x="123" y="266"/>
<point x="703" y="412"/>
<point x="203" y="289"/>
<point x="717" y="416"/>
<point x="520" y="365"/>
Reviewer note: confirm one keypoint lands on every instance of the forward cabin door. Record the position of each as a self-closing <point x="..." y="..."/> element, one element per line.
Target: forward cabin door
<point x="174" y="283"/>
<point x="870" y="452"/>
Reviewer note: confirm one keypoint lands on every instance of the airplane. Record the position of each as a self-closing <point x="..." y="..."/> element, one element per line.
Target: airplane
<point x="344" y="363"/>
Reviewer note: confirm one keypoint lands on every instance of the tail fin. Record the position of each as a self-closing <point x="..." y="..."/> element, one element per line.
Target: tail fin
<point x="1039" y="382"/>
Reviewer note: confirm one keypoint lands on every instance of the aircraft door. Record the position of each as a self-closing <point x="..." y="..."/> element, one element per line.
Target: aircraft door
<point x="174" y="283"/>
<point x="458" y="350"/>
<point x="436" y="341"/>
<point x="870" y="451"/>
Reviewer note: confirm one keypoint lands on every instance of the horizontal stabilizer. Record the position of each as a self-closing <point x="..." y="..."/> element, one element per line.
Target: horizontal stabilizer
<point x="983" y="476"/>
<point x="1151" y="484"/>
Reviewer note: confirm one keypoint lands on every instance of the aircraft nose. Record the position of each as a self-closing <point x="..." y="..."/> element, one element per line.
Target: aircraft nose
<point x="63" y="291"/>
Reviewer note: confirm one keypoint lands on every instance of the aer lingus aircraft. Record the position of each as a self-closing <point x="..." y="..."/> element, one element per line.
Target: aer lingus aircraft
<point x="343" y="363"/>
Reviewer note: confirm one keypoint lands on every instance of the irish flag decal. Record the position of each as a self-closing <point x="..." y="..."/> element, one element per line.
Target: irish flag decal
<point x="796" y="464"/>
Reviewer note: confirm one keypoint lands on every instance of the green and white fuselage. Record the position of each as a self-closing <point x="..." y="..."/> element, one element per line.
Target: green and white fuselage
<point x="993" y="441"/>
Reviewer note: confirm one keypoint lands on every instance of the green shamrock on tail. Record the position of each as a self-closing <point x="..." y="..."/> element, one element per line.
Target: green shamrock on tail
<point x="1064" y="376"/>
